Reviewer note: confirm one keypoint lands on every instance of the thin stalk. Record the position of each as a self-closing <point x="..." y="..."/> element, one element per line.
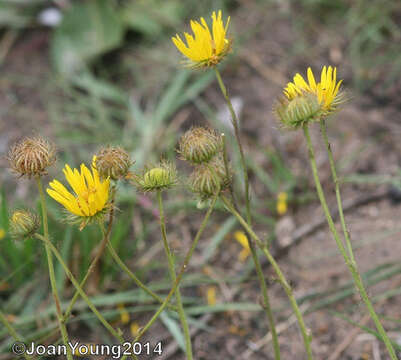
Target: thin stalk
<point x="351" y="265"/>
<point x="171" y="267"/>
<point x="184" y="266"/>
<point x="90" y="304"/>
<point x="235" y="123"/>
<point x="259" y="271"/>
<point x="52" y="276"/>
<point x="138" y="282"/>
<point x="266" y="301"/>
<point x="227" y="169"/>
<point x="95" y="260"/>
<point x="338" y="194"/>
<point x="12" y="332"/>
<point x="287" y="288"/>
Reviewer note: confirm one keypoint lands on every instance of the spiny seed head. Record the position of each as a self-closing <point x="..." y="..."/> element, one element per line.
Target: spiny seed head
<point x="160" y="177"/>
<point x="199" y="145"/>
<point x="23" y="224"/>
<point x="208" y="179"/>
<point x="299" y="111"/>
<point x="31" y="156"/>
<point x="113" y="162"/>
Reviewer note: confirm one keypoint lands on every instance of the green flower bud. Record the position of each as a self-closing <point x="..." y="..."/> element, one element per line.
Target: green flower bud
<point x="199" y="145"/>
<point x="23" y="224"/>
<point x="208" y="179"/>
<point x="160" y="177"/>
<point x="298" y="111"/>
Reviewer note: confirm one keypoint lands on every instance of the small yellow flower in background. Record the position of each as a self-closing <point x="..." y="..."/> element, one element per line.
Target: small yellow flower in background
<point x="281" y="205"/>
<point x="326" y="91"/>
<point x="84" y="350"/>
<point x="134" y="328"/>
<point x="235" y="330"/>
<point x="243" y="240"/>
<point x="211" y="295"/>
<point x="2" y="233"/>
<point x="205" y="48"/>
<point x="90" y="195"/>
<point x="124" y="314"/>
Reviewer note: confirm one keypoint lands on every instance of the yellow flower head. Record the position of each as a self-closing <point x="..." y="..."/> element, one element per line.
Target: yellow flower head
<point x="205" y="48"/>
<point x="326" y="91"/>
<point x="281" y="205"/>
<point x="243" y="240"/>
<point x="90" y="194"/>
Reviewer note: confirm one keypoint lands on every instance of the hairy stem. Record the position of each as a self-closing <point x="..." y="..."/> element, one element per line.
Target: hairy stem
<point x="171" y="267"/>
<point x="350" y="263"/>
<point x="338" y="194"/>
<point x="184" y="267"/>
<point x="13" y="333"/>
<point x="90" y="304"/>
<point x="63" y="328"/>
<point x="95" y="260"/>
<point x="235" y="123"/>
<point x="259" y="272"/>
<point x="138" y="282"/>
<point x="287" y="288"/>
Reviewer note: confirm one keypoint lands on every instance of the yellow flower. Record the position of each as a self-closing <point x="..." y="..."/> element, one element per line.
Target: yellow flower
<point x="243" y="240"/>
<point x="326" y="91"/>
<point x="281" y="205"/>
<point x="124" y="314"/>
<point x="2" y="233"/>
<point x="134" y="328"/>
<point x="211" y="295"/>
<point x="205" y="48"/>
<point x="90" y="194"/>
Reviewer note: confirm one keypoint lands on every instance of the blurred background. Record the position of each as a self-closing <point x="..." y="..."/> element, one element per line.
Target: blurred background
<point x="90" y="73"/>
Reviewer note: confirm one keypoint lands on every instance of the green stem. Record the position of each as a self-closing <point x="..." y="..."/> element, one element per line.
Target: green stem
<point x="98" y="255"/>
<point x="138" y="282"/>
<point x="12" y="332"/>
<point x="184" y="266"/>
<point x="235" y="123"/>
<point x="338" y="194"/>
<point x="259" y="272"/>
<point x="116" y="334"/>
<point x="171" y="267"/>
<point x="52" y="276"/>
<point x="279" y="273"/>
<point x="350" y="263"/>
<point x="266" y="301"/>
<point x="227" y="169"/>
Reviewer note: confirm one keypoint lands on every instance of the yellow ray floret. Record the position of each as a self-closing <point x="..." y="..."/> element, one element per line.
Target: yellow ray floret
<point x="205" y="47"/>
<point x="89" y="195"/>
<point x="327" y="90"/>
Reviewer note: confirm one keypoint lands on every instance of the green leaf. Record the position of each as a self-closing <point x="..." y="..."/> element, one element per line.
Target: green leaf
<point x="88" y="30"/>
<point x="151" y="17"/>
<point x="174" y="329"/>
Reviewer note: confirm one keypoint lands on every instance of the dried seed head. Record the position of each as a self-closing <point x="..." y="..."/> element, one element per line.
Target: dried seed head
<point x="298" y="111"/>
<point x="199" y="145"/>
<point x="113" y="162"/>
<point x="160" y="177"/>
<point x="32" y="156"/>
<point x="208" y="179"/>
<point x="23" y="224"/>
